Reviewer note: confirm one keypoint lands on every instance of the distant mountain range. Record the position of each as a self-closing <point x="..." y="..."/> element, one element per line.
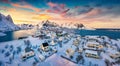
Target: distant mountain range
<point x="71" y="26"/>
<point x="109" y="29"/>
<point x="6" y="23"/>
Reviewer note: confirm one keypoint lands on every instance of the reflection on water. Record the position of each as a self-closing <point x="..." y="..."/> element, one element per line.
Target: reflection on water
<point x="23" y="33"/>
<point x="13" y="35"/>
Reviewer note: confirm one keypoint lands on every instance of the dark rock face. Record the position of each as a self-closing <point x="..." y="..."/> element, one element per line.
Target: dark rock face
<point x="79" y="26"/>
<point x="9" y="18"/>
<point x="48" y="23"/>
<point x="0" y="17"/>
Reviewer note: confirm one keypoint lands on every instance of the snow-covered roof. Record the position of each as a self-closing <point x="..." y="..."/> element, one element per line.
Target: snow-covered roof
<point x="91" y="51"/>
<point x="93" y="45"/>
<point x="52" y="42"/>
<point x="45" y="44"/>
<point x="27" y="49"/>
<point x="91" y="36"/>
<point x="64" y="32"/>
<point x="90" y="42"/>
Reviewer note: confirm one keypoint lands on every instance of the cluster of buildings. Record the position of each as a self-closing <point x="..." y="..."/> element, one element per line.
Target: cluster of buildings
<point x="52" y="36"/>
<point x="93" y="47"/>
<point x="74" y="47"/>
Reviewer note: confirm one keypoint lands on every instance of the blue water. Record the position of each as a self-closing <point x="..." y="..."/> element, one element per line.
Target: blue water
<point x="110" y="34"/>
<point x="13" y="35"/>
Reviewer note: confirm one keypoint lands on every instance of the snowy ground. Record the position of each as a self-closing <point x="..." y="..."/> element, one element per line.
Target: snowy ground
<point x="56" y="60"/>
<point x="5" y="48"/>
<point x="10" y="52"/>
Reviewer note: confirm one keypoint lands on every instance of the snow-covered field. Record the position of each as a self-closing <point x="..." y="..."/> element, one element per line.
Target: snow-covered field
<point x="64" y="49"/>
<point x="13" y="57"/>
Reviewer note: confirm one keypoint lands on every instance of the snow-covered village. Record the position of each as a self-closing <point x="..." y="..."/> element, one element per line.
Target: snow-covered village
<point x="53" y="46"/>
<point x="59" y="32"/>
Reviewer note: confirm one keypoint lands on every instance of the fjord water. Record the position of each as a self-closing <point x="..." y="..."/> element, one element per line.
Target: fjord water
<point x="13" y="35"/>
<point x="110" y="34"/>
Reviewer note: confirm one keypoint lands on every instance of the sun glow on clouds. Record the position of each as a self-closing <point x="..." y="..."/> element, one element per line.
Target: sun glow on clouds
<point x="23" y="12"/>
<point x="27" y="6"/>
<point x="42" y="17"/>
<point x="20" y="16"/>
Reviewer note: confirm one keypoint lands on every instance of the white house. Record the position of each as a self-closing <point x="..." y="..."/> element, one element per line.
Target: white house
<point x="91" y="53"/>
<point x="70" y="51"/>
<point x="60" y="38"/>
<point x="93" y="45"/>
<point x="45" y="47"/>
<point x="80" y="50"/>
<point x="114" y="54"/>
<point x="28" y="53"/>
<point x="41" y="57"/>
<point x="93" y="38"/>
<point x="78" y="37"/>
<point x="37" y="33"/>
<point x="52" y="42"/>
<point x="76" y="42"/>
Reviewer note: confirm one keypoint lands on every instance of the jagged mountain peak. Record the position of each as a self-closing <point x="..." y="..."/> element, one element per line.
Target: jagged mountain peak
<point x="6" y="23"/>
<point x="9" y="18"/>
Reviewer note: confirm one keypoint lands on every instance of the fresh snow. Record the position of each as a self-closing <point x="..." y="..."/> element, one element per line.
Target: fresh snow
<point x="6" y="23"/>
<point x="11" y="52"/>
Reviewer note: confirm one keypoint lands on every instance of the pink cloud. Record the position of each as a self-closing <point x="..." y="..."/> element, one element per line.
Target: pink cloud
<point x="27" y="6"/>
<point x="52" y="4"/>
<point x="48" y="10"/>
<point x="57" y="8"/>
<point x="62" y="6"/>
<point x="64" y="13"/>
<point x="94" y="15"/>
<point x="94" y="12"/>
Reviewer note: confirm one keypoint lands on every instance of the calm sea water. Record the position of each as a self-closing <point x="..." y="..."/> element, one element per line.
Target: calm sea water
<point x="13" y="35"/>
<point x="23" y="33"/>
<point x="110" y="34"/>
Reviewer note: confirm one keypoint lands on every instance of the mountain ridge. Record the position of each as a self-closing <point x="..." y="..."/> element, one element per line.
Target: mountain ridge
<point x="7" y="24"/>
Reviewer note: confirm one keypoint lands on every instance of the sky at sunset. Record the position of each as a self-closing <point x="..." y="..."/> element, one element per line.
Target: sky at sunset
<point x="92" y="13"/>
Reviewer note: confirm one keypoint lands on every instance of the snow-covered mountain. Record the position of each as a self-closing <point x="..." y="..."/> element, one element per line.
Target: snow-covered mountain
<point x="6" y="23"/>
<point x="67" y="25"/>
<point x="26" y="26"/>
